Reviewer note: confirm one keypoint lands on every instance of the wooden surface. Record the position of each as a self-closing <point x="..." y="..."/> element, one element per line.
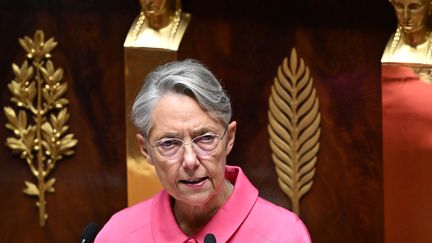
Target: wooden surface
<point x="243" y="42"/>
<point x="91" y="185"/>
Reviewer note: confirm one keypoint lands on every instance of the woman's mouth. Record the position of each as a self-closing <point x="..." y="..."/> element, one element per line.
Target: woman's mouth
<point x="194" y="182"/>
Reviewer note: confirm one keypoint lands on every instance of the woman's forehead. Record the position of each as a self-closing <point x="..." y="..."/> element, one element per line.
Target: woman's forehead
<point x="176" y="113"/>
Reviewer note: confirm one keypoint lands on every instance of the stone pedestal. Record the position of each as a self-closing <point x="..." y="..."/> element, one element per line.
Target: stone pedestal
<point x="142" y="179"/>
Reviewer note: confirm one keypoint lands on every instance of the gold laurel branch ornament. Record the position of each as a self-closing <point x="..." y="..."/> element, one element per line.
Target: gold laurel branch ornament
<point x="294" y="128"/>
<point x="39" y="120"/>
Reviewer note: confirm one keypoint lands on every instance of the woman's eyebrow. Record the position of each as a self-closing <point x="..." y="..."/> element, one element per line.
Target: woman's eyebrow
<point x="193" y="133"/>
<point x="167" y="135"/>
<point x="201" y="131"/>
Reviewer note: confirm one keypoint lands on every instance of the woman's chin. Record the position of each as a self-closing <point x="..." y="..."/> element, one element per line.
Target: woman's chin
<point x="196" y="200"/>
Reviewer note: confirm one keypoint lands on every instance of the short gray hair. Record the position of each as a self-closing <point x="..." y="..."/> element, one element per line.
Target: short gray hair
<point x="188" y="77"/>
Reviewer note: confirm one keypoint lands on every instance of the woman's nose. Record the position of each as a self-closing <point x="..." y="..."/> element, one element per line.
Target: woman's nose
<point x="190" y="159"/>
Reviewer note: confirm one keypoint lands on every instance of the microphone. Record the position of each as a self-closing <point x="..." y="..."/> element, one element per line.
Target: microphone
<point x="210" y="238"/>
<point x="89" y="233"/>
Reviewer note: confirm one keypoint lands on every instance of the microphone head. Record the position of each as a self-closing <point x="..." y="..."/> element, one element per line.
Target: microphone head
<point x="210" y="238"/>
<point x="90" y="231"/>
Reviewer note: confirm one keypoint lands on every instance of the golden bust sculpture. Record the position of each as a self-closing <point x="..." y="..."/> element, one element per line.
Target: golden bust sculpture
<point x="412" y="42"/>
<point x="161" y="24"/>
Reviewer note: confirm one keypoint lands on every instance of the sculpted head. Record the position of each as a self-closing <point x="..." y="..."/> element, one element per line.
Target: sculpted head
<point x="159" y="12"/>
<point x="412" y="15"/>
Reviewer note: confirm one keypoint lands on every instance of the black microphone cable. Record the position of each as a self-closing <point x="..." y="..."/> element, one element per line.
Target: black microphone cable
<point x="89" y="233"/>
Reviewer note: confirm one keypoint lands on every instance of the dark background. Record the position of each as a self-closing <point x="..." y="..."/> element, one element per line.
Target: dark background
<point x="243" y="43"/>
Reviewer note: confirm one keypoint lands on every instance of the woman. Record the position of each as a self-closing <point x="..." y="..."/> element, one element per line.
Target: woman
<point x="183" y="117"/>
<point x="412" y="42"/>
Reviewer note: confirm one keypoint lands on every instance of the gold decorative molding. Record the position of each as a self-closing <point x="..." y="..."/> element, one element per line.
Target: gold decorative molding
<point x="294" y="128"/>
<point x="37" y="93"/>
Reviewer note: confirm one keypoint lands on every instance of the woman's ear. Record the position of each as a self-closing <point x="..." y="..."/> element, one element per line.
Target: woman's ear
<point x="231" y="136"/>
<point x="143" y="148"/>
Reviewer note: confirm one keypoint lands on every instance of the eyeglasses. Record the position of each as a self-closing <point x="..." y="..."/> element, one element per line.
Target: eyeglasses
<point x="202" y="145"/>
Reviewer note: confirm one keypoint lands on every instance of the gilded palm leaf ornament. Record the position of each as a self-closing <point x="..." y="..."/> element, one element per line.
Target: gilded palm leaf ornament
<point x="38" y="122"/>
<point x="294" y="128"/>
